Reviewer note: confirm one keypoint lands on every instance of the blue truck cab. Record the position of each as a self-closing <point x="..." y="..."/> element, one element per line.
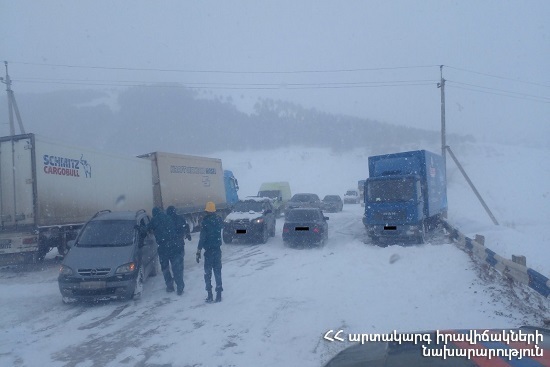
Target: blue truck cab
<point x="405" y="195"/>
<point x="231" y="187"/>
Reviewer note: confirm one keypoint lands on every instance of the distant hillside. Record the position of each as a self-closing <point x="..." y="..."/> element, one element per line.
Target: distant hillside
<point x="172" y="118"/>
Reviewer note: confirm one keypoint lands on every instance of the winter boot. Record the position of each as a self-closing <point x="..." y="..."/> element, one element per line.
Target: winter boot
<point x="210" y="297"/>
<point x="218" y="296"/>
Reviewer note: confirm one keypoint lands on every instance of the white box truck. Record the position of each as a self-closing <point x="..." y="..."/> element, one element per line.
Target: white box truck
<point x="49" y="190"/>
<point x="188" y="182"/>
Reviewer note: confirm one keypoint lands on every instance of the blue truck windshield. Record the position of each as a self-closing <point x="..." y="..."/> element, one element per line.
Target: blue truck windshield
<point x="401" y="189"/>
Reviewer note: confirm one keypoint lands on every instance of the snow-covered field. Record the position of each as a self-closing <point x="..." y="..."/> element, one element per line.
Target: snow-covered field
<point x="279" y="302"/>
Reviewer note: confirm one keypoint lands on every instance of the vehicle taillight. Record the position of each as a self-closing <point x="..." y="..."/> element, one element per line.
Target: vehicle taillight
<point x="286" y="230"/>
<point x="316" y="230"/>
<point x="29" y="240"/>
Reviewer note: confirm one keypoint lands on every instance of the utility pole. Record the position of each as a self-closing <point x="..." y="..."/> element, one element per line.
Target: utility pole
<point x="12" y="104"/>
<point x="441" y="85"/>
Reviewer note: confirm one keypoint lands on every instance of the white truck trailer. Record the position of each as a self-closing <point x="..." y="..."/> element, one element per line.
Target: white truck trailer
<point x="188" y="182"/>
<point x="49" y="190"/>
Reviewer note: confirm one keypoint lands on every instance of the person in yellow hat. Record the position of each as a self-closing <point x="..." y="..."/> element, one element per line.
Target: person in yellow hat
<point x="211" y="240"/>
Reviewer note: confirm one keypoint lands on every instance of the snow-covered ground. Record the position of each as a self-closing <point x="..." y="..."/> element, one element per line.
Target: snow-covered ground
<point x="279" y="302"/>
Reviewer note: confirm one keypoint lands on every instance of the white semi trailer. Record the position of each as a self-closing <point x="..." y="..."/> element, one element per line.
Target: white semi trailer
<point x="188" y="182"/>
<point x="48" y="190"/>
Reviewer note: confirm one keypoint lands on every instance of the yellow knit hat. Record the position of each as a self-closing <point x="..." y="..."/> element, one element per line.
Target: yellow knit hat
<point x="210" y="207"/>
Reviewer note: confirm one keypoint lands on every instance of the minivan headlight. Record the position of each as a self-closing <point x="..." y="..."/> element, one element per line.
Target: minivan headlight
<point x="126" y="268"/>
<point x="65" y="270"/>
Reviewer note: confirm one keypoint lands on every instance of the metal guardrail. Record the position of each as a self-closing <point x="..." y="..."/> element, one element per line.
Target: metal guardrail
<point x="508" y="268"/>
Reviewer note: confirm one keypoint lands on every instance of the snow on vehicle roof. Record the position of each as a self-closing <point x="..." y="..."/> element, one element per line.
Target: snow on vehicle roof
<point x="256" y="198"/>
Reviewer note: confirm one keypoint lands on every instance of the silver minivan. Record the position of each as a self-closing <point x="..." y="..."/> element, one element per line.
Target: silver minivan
<point x="111" y="257"/>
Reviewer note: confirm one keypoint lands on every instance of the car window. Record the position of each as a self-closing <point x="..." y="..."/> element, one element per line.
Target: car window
<point x="107" y="233"/>
<point x="305" y="197"/>
<point x="303" y="215"/>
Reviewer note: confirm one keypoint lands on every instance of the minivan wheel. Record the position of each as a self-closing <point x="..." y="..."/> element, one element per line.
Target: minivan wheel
<point x="138" y="288"/>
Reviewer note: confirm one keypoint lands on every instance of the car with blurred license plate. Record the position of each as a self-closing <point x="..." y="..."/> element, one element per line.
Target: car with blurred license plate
<point x="305" y="226"/>
<point x="111" y="257"/>
<point x="332" y="203"/>
<point x="304" y="200"/>
<point x="352" y="197"/>
<point x="251" y="219"/>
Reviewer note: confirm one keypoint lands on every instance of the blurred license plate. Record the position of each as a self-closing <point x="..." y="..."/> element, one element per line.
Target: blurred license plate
<point x="92" y="285"/>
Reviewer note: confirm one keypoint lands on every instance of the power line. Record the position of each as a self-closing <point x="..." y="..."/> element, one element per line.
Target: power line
<point x="243" y="86"/>
<point x="501" y="90"/>
<point x="502" y="94"/>
<point x="220" y="71"/>
<point x="499" y="77"/>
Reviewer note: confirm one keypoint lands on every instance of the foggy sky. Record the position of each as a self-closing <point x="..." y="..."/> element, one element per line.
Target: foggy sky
<point x="350" y="57"/>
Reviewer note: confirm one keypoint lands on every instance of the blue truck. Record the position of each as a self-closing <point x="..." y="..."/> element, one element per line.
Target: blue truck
<point x="405" y="195"/>
<point x="231" y="187"/>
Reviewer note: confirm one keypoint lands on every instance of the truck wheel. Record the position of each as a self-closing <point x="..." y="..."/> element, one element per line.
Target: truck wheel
<point x="138" y="286"/>
<point x="42" y="252"/>
<point x="62" y="249"/>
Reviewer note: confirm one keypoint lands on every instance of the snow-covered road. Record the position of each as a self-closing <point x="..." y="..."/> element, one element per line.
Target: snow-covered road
<point x="278" y="303"/>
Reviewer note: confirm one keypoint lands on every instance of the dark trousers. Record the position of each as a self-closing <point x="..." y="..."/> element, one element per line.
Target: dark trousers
<point x="213" y="263"/>
<point x="175" y="259"/>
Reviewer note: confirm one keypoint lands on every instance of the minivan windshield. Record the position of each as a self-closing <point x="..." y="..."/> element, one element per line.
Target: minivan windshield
<point x="246" y="206"/>
<point x="107" y="233"/>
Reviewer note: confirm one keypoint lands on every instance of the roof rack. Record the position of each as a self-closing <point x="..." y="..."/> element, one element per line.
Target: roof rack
<point x="101" y="212"/>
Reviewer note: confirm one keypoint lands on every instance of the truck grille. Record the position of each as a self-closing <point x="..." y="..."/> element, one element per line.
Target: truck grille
<point x="94" y="272"/>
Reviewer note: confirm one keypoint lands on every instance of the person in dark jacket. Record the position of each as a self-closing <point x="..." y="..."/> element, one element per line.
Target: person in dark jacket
<point x="170" y="250"/>
<point x="210" y="240"/>
<point x="182" y="228"/>
<point x="181" y="231"/>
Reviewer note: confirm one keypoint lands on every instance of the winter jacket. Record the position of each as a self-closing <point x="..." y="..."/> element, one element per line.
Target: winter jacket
<point x="211" y="233"/>
<point x="182" y="229"/>
<point x="164" y="230"/>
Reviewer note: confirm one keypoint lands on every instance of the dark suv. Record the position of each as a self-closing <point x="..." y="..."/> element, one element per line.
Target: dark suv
<point x="251" y="219"/>
<point x="110" y="258"/>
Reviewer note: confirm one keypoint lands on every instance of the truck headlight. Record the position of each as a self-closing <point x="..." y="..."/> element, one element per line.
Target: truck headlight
<point x="259" y="220"/>
<point x="126" y="268"/>
<point x="65" y="270"/>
